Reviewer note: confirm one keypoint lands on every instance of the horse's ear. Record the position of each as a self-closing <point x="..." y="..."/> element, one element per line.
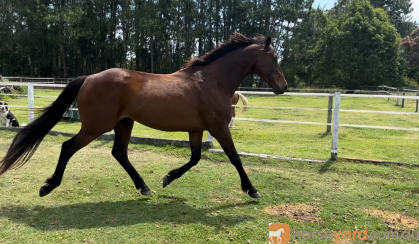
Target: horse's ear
<point x="268" y="42"/>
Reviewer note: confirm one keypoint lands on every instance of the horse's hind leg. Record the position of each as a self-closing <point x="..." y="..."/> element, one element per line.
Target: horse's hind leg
<point x="120" y="152"/>
<point x="195" y="140"/>
<point x="68" y="149"/>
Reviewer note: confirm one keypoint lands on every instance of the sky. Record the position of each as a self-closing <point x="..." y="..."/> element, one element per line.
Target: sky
<point x="327" y="4"/>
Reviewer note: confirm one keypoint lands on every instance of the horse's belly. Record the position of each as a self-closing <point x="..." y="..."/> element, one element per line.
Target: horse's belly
<point x="169" y="119"/>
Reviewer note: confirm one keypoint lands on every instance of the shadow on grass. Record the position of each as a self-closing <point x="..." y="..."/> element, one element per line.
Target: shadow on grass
<point x="323" y="135"/>
<point x="326" y="166"/>
<point x="120" y="213"/>
<point x="414" y="190"/>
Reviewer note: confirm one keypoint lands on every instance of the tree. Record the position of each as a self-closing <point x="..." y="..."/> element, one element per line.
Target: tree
<point x="299" y="56"/>
<point x="410" y="52"/>
<point x="359" y="48"/>
<point x="398" y="11"/>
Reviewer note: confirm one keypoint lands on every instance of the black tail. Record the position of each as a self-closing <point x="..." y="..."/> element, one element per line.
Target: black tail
<point x="28" y="139"/>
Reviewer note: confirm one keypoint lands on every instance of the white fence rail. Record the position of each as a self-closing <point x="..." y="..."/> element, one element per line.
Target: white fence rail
<point x="332" y="108"/>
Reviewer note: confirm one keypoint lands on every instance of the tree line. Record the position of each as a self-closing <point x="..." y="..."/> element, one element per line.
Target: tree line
<point x="357" y="42"/>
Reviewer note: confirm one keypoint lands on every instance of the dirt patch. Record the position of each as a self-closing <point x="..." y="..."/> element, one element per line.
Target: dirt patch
<point x="394" y="221"/>
<point x="218" y="200"/>
<point x="299" y="212"/>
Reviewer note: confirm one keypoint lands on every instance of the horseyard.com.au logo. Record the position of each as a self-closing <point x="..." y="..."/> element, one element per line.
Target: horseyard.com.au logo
<point x="279" y="233"/>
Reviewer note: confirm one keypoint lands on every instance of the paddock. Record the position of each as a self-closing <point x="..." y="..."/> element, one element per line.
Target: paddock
<point x="98" y="203"/>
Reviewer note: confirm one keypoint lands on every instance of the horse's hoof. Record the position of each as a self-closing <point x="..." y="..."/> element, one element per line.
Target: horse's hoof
<point x="147" y="193"/>
<point x="42" y="192"/>
<point x="166" y="181"/>
<point x="255" y="195"/>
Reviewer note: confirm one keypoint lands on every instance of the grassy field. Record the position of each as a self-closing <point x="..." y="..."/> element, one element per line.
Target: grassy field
<point x="97" y="202"/>
<point x="303" y="141"/>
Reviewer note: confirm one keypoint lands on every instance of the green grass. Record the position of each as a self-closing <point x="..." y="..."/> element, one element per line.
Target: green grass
<point x="97" y="202"/>
<point x="294" y="140"/>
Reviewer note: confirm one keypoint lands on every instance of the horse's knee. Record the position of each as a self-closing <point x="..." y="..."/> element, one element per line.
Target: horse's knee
<point x="117" y="153"/>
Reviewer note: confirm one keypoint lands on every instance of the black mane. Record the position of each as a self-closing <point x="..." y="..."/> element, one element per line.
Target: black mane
<point x="235" y="41"/>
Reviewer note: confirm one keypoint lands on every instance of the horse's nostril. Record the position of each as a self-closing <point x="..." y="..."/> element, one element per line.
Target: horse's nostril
<point x="286" y="87"/>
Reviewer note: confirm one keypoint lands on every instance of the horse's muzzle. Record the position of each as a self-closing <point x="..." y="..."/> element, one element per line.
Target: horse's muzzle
<point x="279" y="90"/>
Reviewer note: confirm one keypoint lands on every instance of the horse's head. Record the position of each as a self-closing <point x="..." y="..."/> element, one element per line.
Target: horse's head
<point x="267" y="67"/>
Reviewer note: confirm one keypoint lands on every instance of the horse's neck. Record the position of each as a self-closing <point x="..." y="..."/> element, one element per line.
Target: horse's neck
<point x="230" y="70"/>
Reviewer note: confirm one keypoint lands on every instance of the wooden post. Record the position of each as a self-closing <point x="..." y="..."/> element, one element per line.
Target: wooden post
<point x="403" y="100"/>
<point x="397" y="103"/>
<point x="417" y="102"/>
<point x="329" y="114"/>
<point x="30" y="102"/>
<point x="334" y="153"/>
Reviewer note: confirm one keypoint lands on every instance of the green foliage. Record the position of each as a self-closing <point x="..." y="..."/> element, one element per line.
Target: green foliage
<point x="299" y="55"/>
<point x="410" y="53"/>
<point x="359" y="48"/>
<point x="409" y="82"/>
<point x="62" y="38"/>
<point x="398" y="11"/>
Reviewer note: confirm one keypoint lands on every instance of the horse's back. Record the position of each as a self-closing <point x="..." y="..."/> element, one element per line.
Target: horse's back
<point x="149" y="99"/>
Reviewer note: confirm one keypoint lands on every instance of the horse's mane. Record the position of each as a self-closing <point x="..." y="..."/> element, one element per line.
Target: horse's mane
<point x="236" y="40"/>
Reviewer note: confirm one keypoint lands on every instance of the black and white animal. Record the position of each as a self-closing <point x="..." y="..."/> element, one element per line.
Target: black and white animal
<point x="6" y="117"/>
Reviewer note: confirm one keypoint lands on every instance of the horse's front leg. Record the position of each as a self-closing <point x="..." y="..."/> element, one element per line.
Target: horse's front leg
<point x="223" y="136"/>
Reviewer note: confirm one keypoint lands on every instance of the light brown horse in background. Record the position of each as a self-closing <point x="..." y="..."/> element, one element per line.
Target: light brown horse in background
<point x="194" y="99"/>
<point x="234" y="100"/>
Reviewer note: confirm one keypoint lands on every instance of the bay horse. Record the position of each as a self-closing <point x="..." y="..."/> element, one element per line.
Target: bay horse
<point x="194" y="99"/>
<point x="234" y="100"/>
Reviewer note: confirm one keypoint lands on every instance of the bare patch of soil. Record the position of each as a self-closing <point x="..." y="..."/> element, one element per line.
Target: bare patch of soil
<point x="299" y="212"/>
<point x="218" y="200"/>
<point x="394" y="221"/>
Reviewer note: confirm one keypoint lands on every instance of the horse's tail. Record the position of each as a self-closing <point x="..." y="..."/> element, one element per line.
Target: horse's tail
<point x="28" y="139"/>
<point x="244" y="100"/>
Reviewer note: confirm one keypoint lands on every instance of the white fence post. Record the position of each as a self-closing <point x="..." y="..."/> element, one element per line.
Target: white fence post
<point x="30" y="102"/>
<point x="336" y="111"/>
<point x="210" y="138"/>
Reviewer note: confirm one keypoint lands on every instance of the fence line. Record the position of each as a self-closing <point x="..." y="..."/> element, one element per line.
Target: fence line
<point x="336" y="110"/>
<point x="282" y="121"/>
<point x="325" y="109"/>
<point x="34" y="84"/>
<point x="330" y="94"/>
<point x="320" y="123"/>
<point x="20" y="95"/>
<point x="22" y="106"/>
<point x="254" y="93"/>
